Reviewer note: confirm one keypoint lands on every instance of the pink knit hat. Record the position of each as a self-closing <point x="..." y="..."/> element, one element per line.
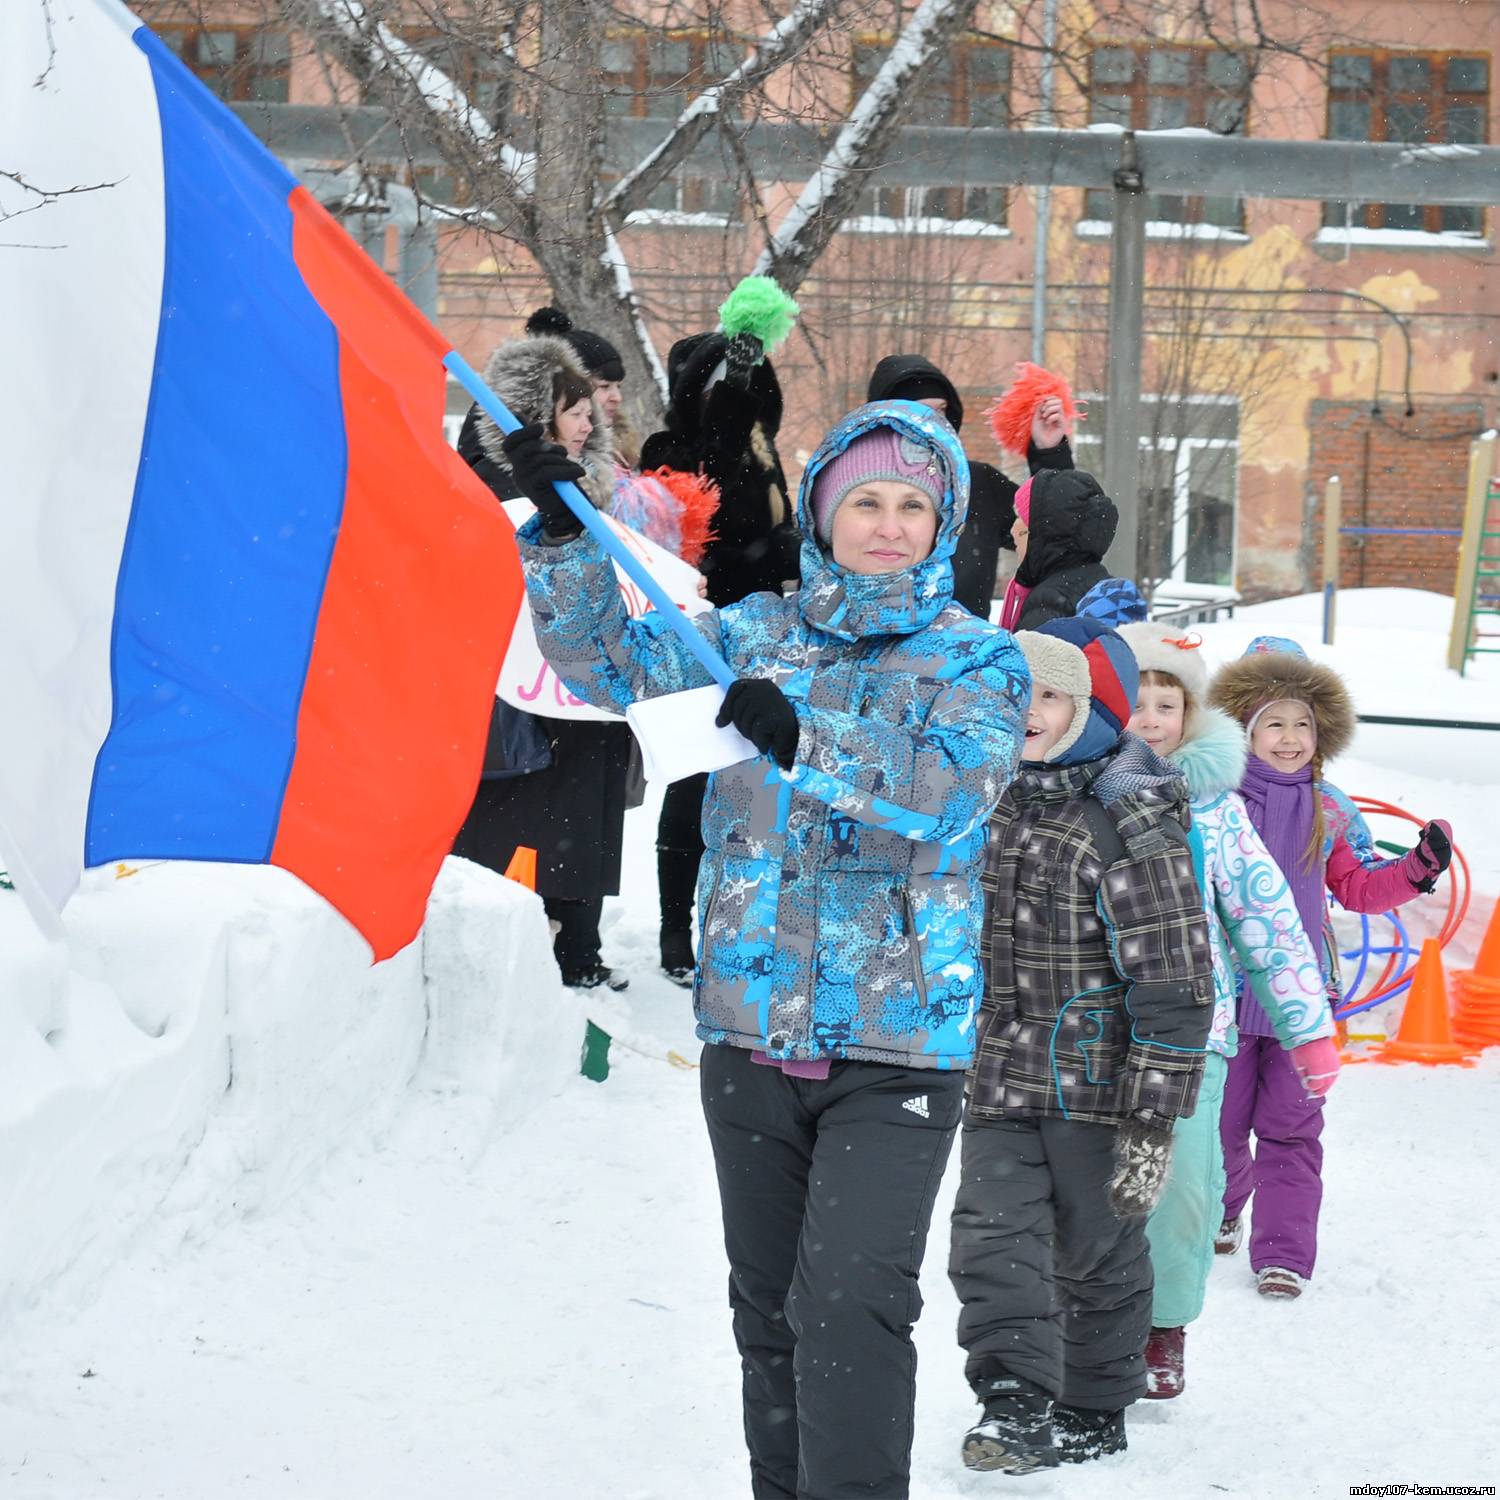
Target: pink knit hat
<point x="882" y="453"/>
<point x="1023" y="503"/>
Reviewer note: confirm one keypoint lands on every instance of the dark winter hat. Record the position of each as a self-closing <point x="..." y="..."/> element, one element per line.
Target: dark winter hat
<point x="881" y="453"/>
<point x="595" y="352"/>
<point x="600" y="357"/>
<point x="691" y="363"/>
<point x="1093" y="666"/>
<point x="909" y="377"/>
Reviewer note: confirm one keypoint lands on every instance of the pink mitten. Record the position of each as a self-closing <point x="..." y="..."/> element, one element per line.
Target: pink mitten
<point x="1317" y="1065"/>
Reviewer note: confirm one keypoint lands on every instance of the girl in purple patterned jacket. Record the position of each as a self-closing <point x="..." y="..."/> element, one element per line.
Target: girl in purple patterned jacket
<point x="1297" y="714"/>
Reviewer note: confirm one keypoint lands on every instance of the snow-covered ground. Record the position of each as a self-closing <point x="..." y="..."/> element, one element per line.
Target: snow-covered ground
<point x="275" y="1225"/>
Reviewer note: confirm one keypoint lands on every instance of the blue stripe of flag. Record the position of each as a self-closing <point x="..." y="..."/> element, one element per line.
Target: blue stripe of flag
<point x="236" y="509"/>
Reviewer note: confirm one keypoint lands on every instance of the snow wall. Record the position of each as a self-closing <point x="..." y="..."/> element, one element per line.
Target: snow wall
<point x="204" y="1036"/>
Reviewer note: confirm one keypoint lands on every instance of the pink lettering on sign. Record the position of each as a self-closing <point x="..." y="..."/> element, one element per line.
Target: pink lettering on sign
<point x="548" y="678"/>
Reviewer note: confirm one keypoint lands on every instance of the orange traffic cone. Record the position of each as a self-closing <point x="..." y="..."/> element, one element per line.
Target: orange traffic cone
<point x="1476" y="1013"/>
<point x="522" y="867"/>
<point x="1425" y="1034"/>
<point x="1485" y="975"/>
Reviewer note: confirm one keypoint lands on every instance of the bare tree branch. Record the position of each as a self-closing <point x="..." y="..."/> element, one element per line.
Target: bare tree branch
<point x="40" y="81"/>
<point x="787" y="38"/>
<point x="372" y="46"/>
<point x="45" y="197"/>
<point x="841" y="176"/>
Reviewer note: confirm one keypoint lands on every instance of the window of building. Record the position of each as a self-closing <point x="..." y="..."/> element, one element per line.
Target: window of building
<point x="1188" y="488"/>
<point x="654" y="75"/>
<point x="236" y="62"/>
<point x="1417" y="97"/>
<point x="969" y="85"/>
<point x="1153" y="87"/>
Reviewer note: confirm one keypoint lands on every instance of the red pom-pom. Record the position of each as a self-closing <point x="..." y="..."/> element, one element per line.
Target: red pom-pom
<point x="698" y="499"/>
<point x="1011" y="416"/>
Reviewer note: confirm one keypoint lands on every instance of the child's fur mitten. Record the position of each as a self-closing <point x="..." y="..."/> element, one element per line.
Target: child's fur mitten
<point x="1143" y="1156"/>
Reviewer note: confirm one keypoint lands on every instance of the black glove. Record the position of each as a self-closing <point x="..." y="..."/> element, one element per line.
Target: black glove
<point x="745" y="351"/>
<point x="762" y="713"/>
<point x="536" y="463"/>
<point x="1433" y="855"/>
<point x="1143" y="1156"/>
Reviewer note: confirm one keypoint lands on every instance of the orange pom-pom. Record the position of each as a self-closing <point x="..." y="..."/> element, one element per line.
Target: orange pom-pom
<point x="698" y="500"/>
<point x="1011" y="416"/>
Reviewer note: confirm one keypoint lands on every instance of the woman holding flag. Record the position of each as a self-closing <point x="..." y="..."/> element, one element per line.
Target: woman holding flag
<point x="838" y="971"/>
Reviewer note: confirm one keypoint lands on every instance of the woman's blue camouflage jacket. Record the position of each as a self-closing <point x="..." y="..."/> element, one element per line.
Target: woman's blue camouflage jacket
<point x="839" y="900"/>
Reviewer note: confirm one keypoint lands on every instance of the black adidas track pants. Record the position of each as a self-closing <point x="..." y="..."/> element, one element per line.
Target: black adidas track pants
<point x="827" y="1189"/>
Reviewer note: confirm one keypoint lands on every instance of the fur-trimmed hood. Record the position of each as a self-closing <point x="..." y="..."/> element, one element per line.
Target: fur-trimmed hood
<point x="520" y="373"/>
<point x="1213" y="757"/>
<point x="1265" y="676"/>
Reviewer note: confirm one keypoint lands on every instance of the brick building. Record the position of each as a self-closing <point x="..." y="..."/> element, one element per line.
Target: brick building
<point x="1284" y="340"/>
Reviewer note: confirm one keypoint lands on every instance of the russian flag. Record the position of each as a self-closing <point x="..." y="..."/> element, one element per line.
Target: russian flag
<point x="252" y="607"/>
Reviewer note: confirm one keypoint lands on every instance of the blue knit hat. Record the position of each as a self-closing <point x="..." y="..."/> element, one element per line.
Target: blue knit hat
<point x="1094" y="666"/>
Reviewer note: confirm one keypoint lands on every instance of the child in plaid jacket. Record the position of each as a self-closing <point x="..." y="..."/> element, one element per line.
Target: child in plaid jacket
<point x="1097" y="1005"/>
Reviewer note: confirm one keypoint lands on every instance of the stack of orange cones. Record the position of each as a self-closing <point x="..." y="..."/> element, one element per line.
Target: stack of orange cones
<point x="522" y="867"/>
<point x="1425" y="1034"/>
<point x="1476" y="1016"/>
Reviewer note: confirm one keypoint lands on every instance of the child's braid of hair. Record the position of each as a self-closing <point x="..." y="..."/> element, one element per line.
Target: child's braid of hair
<point x="1314" y="850"/>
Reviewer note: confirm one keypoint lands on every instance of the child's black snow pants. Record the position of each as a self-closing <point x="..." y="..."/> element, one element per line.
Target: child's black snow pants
<point x="1056" y="1289"/>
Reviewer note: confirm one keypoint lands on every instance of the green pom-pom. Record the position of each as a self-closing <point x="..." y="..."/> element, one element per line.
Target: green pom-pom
<point x="757" y="305"/>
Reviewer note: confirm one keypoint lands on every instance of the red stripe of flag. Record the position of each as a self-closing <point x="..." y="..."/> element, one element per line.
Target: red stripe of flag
<point x="418" y="608"/>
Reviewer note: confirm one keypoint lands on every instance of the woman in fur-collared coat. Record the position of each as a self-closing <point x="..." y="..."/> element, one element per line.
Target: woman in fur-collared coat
<point x="572" y="810"/>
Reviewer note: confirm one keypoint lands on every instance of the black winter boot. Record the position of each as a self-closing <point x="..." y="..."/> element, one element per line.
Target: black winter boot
<point x="1015" y="1434"/>
<point x="677" y="876"/>
<point x="1082" y="1434"/>
<point x="677" y="958"/>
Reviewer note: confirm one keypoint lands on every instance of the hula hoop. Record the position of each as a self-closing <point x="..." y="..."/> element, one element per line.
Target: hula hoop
<point x="1396" y="975"/>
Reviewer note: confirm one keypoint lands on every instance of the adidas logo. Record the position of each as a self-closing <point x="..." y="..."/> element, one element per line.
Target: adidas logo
<point x="918" y="1106"/>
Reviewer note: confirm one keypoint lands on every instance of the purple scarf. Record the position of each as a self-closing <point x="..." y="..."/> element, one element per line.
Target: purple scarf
<point x="1280" y="804"/>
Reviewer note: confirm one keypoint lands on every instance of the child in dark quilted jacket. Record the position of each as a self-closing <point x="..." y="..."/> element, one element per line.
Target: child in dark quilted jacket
<point x="1097" y="1004"/>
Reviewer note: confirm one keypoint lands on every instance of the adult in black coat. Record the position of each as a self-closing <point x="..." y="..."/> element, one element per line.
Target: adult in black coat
<point x="722" y="419"/>
<point x="573" y="811"/>
<point x="992" y="494"/>
<point x="1067" y="527"/>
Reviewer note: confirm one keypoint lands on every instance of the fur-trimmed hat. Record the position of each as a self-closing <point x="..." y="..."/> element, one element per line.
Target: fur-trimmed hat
<point x="1094" y="667"/>
<point x="1167" y="648"/>
<point x="1273" y="669"/>
<point x="522" y="373"/>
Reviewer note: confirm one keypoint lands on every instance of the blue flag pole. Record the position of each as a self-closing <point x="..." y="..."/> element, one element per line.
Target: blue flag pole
<point x="578" y="503"/>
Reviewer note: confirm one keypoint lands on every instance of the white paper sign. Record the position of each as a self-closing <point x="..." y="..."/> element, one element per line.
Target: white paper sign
<point x="526" y="680"/>
<point x="678" y="736"/>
